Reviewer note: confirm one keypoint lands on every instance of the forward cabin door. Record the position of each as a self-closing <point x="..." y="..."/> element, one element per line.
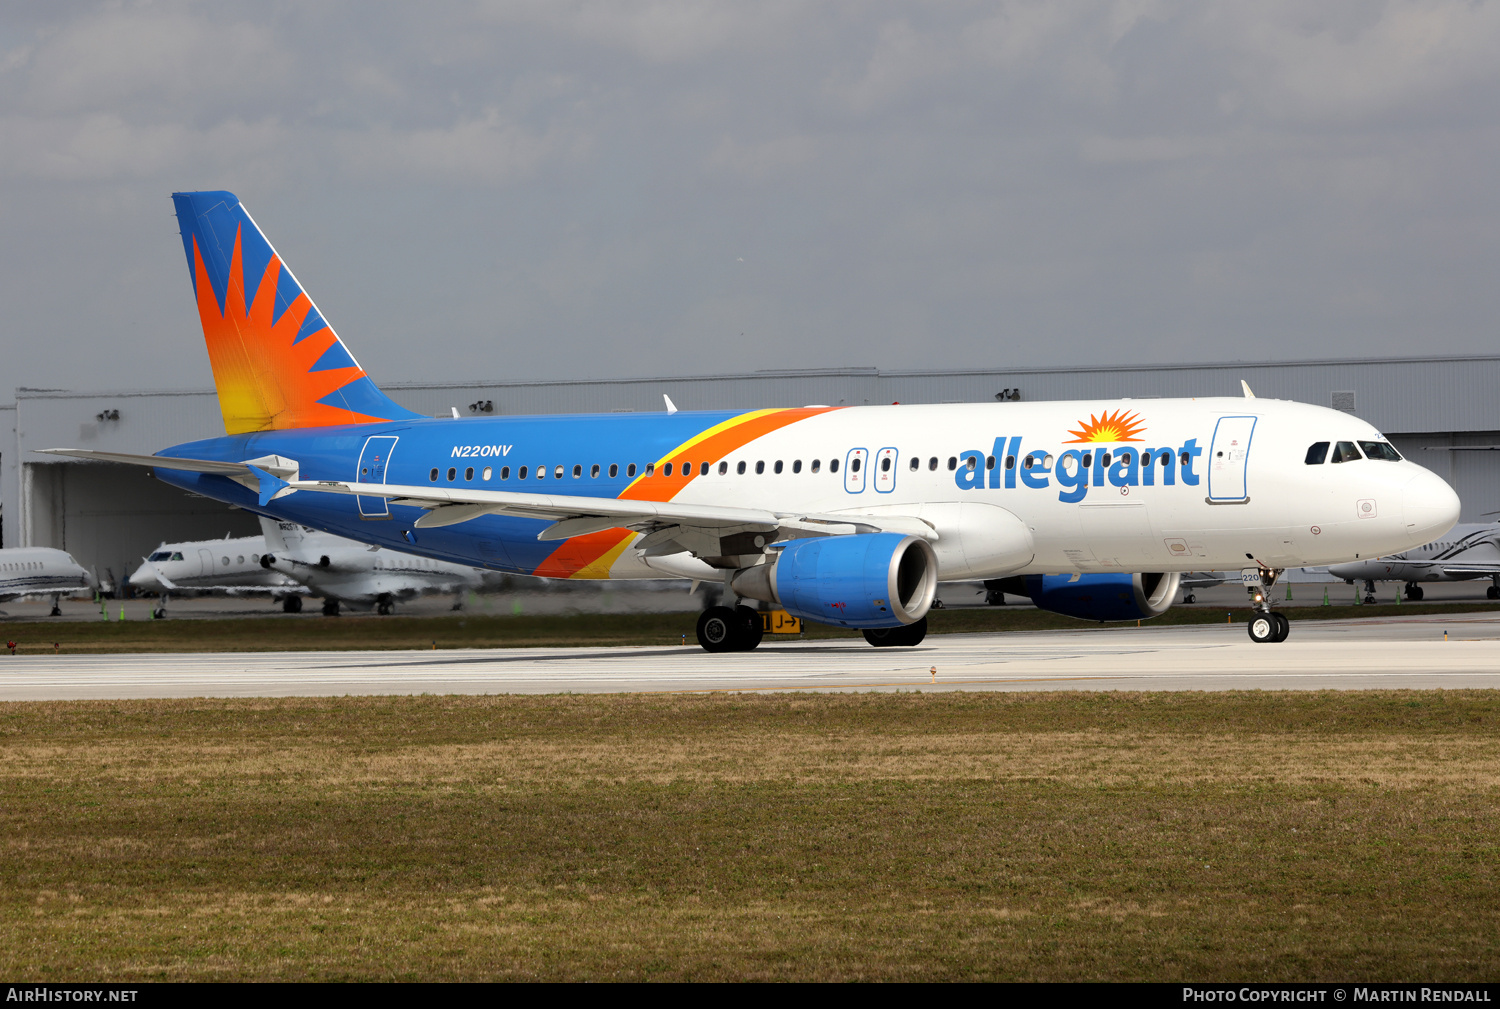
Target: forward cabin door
<point x="1227" y="460"/>
<point x="373" y="462"/>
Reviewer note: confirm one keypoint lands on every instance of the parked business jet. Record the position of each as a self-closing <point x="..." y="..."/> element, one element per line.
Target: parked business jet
<point x="343" y="571"/>
<point x="41" y="571"/>
<point x="1464" y="553"/>
<point x="213" y="567"/>
<point x="847" y="516"/>
<point x="288" y="562"/>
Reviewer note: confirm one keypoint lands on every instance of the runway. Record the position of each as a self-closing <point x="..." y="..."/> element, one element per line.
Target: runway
<point x="1339" y="655"/>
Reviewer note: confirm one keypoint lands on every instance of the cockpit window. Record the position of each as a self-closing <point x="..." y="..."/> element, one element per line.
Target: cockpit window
<point x="1345" y="452"/>
<point x="1381" y="450"/>
<point x="160" y="555"/>
<point x="1317" y="453"/>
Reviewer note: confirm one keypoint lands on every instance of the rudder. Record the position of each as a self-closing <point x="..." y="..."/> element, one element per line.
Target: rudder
<point x="277" y="363"/>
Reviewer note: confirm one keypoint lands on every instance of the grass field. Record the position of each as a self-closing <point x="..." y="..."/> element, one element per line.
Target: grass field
<point x="1351" y="836"/>
<point x="276" y="633"/>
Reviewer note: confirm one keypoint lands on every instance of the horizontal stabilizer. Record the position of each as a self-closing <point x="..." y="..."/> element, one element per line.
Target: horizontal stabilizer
<point x="267" y="475"/>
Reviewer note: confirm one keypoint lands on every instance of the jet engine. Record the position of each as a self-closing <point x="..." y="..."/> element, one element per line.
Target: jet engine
<point x="1100" y="597"/>
<point x="865" y="580"/>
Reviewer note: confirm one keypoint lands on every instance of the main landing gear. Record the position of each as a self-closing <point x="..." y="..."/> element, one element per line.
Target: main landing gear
<point x="1493" y="592"/>
<point x="1265" y="626"/>
<point x="721" y="629"/>
<point x="291" y="604"/>
<point x="897" y="637"/>
<point x="1413" y="592"/>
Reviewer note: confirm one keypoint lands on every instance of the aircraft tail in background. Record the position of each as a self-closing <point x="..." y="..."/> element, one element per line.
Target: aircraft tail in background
<point x="277" y="363"/>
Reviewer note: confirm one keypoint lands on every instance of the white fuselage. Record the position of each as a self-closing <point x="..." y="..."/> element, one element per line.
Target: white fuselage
<point x="35" y="571"/>
<point x="206" y="566"/>
<point x="1228" y="485"/>
<point x="1463" y="553"/>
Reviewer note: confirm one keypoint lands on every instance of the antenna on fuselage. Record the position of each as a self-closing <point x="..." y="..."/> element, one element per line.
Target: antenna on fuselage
<point x="671" y="406"/>
<point x="1246" y="386"/>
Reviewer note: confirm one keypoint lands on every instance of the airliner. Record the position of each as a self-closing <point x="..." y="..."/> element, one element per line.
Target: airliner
<point x="848" y="516"/>
<point x="1464" y="553"/>
<point x="42" y="571"/>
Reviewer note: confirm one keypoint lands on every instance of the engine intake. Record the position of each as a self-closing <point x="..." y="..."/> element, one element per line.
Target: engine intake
<point x="865" y="580"/>
<point x="1113" y="596"/>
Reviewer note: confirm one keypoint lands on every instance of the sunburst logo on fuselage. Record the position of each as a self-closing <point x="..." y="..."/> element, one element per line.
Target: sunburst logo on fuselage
<point x="1118" y="426"/>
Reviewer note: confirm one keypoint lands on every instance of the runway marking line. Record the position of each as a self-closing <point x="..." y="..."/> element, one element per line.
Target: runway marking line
<point x="904" y="683"/>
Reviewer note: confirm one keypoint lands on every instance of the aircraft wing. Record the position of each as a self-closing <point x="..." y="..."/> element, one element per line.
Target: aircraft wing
<point x="1471" y="569"/>
<point x="671" y="526"/>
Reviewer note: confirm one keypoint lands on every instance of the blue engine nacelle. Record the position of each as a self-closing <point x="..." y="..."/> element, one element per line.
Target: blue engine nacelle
<point x="865" y="580"/>
<point x="1105" y="597"/>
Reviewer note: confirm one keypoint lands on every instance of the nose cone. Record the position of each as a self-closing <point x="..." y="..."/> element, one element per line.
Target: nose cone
<point x="144" y="578"/>
<point x="1429" y="505"/>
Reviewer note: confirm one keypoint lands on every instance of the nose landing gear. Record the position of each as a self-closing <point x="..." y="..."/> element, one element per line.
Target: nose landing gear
<point x="1265" y="626"/>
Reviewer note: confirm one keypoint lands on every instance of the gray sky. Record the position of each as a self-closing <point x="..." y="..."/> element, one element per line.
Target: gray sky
<point x="591" y="189"/>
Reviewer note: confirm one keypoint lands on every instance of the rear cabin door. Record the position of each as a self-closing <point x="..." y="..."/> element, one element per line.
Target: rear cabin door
<point x="373" y="462"/>
<point x="1228" y="457"/>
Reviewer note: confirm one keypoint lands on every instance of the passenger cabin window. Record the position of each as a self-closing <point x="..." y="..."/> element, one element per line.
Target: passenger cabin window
<point x="915" y="465"/>
<point x="505" y="473"/>
<point x="594" y="472"/>
<point x="854" y="465"/>
<point x="833" y="465"/>
<point x="469" y="473"/>
<point x="885" y="464"/>
<point x="557" y="473"/>
<point x="723" y="468"/>
<point x="740" y="468"/>
<point x="614" y="470"/>
<point x="1380" y="450"/>
<point x="433" y="475"/>
<point x="932" y="463"/>
<point x="630" y="470"/>
<point x="760" y="467"/>
<point x="651" y="469"/>
<point x="817" y="464"/>
<point x="778" y="465"/>
<point x="666" y="470"/>
<point x="577" y="471"/>
<point x="1317" y="453"/>
<point x="703" y="469"/>
<point x="489" y="471"/>
<point x="952" y="463"/>
<point x="796" y="465"/>
<point x="452" y="472"/>
<point x="1345" y="451"/>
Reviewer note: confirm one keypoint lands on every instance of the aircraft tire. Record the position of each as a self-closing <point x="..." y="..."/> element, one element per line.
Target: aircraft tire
<point x="330" y="607"/>
<point x="291" y="604"/>
<point x="1190" y="598"/>
<point x="1263" y="628"/>
<point x="1283" y="628"/>
<point x="750" y="629"/>
<point x="1414" y="593"/>
<point x="1492" y="593"/>
<point x="897" y="637"/>
<point x="718" y="628"/>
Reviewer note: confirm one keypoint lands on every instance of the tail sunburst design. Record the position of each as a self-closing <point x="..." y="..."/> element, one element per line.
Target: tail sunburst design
<point x="277" y="364"/>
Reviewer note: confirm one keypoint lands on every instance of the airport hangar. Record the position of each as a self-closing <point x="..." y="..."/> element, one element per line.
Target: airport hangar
<point x="1443" y="413"/>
